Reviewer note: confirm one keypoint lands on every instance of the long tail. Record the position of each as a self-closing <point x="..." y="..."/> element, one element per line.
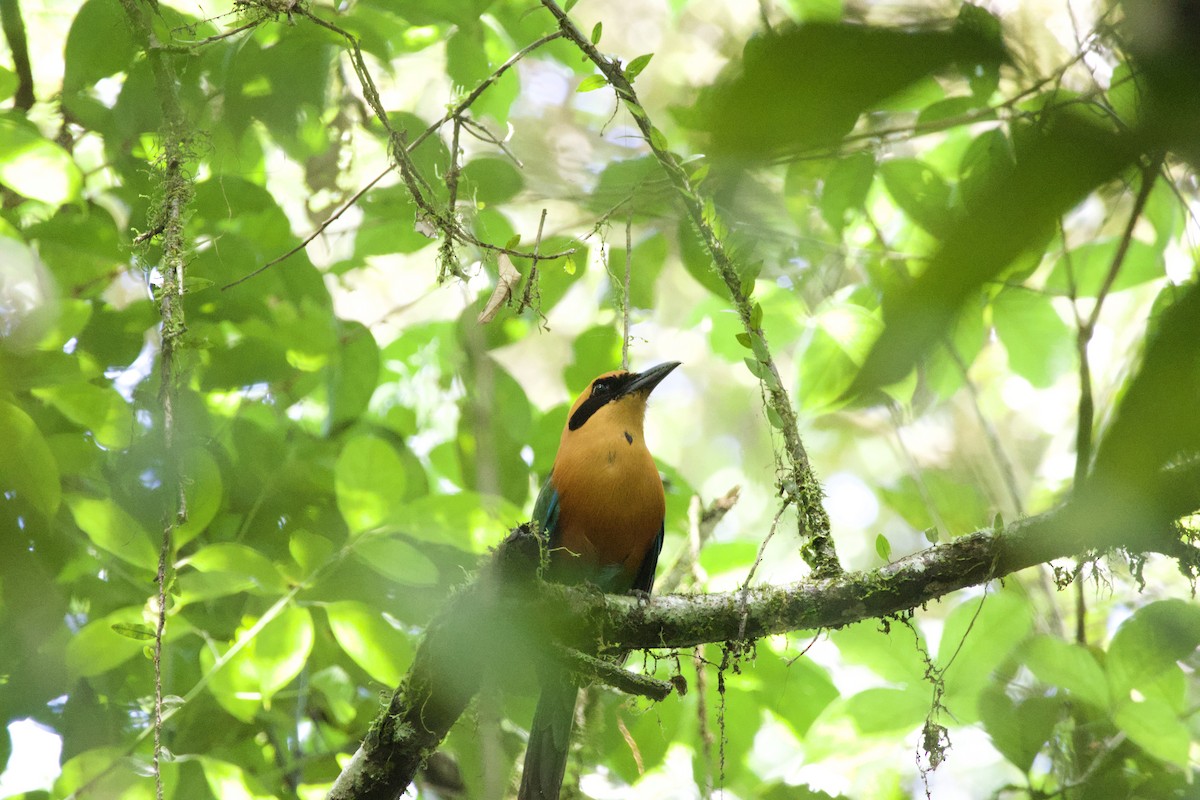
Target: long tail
<point x="549" y="739"/>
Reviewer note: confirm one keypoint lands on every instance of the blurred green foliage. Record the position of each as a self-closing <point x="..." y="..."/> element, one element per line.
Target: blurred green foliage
<point x="926" y="228"/>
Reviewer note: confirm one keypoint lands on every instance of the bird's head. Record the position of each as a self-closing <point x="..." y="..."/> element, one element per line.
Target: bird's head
<point x="617" y="397"/>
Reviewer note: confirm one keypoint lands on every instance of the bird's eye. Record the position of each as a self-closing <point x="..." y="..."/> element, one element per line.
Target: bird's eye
<point x="600" y="387"/>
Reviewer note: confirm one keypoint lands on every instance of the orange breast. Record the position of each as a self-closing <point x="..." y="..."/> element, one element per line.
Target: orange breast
<point x="610" y="502"/>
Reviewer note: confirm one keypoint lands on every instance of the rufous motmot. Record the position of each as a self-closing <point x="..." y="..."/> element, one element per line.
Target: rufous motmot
<point x="601" y="513"/>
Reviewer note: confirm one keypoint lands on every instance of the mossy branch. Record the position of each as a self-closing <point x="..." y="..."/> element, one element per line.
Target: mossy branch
<point x="506" y="617"/>
<point x="801" y="485"/>
<point x="176" y="194"/>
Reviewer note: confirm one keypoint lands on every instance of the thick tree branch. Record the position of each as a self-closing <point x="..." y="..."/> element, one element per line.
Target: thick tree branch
<point x="497" y="622"/>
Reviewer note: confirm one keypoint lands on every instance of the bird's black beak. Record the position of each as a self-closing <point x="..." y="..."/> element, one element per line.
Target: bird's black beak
<point x="644" y="382"/>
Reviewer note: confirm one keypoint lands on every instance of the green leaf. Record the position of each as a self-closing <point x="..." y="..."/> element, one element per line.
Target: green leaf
<point x="1067" y="666"/>
<point x="8" y="87"/>
<point x="396" y="560"/>
<point x="1149" y="642"/>
<point x="591" y="83"/>
<point x="975" y="642"/>
<point x="35" y="167"/>
<point x="99" y="44"/>
<point x="264" y="665"/>
<point x="99" y="409"/>
<point x="466" y="520"/>
<point x="493" y="181"/>
<point x="1156" y="728"/>
<point x="840" y="337"/>
<point x="369" y="481"/>
<point x="920" y="192"/>
<point x="309" y="550"/>
<point x="1039" y="344"/>
<point x="845" y="188"/>
<point x="883" y="548"/>
<point x="882" y="711"/>
<point x="597" y="31"/>
<point x="1155" y="426"/>
<point x="635" y="67"/>
<point x="139" y="632"/>
<point x="756" y="317"/>
<point x="1020" y="729"/>
<point x="956" y="503"/>
<point x="111" y="528"/>
<point x="383" y="651"/>
<point x="892" y="656"/>
<point x="99" y="646"/>
<point x="1089" y="265"/>
<point x="722" y="557"/>
<point x="227" y="779"/>
<point x="260" y="573"/>
<point x="988" y="157"/>
<point x="27" y="467"/>
<point x="93" y="771"/>
<point x="203" y="488"/>
<point x="353" y="375"/>
<point x="658" y="140"/>
<point x="795" y="690"/>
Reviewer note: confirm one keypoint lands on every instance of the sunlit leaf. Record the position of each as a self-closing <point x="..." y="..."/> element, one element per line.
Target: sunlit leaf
<point x="1039" y="344"/>
<point x="369" y="481"/>
<point x="1154" y="727"/>
<point x="354" y="374"/>
<point x="397" y="560"/>
<point x="979" y="636"/>
<point x="27" y="466"/>
<point x="35" y="167"/>
<point x="1152" y="640"/>
<point x="98" y="647"/>
<point x="878" y="711"/>
<point x="259" y="572"/>
<point x="1068" y="666"/>
<point x="374" y="644"/>
<point x="100" y="409"/>
<point x="112" y="528"/>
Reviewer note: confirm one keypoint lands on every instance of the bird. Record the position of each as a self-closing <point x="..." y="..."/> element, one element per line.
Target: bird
<point x="601" y="514"/>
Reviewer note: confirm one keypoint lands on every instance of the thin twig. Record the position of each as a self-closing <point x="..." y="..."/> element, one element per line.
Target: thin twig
<point x="1149" y="176"/>
<point x="625" y="293"/>
<point x="254" y="23"/>
<point x="453" y="113"/>
<point x="706" y="524"/>
<point x="531" y="297"/>
<point x="447" y="260"/>
<point x="1085" y="418"/>
<point x="176" y="189"/>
